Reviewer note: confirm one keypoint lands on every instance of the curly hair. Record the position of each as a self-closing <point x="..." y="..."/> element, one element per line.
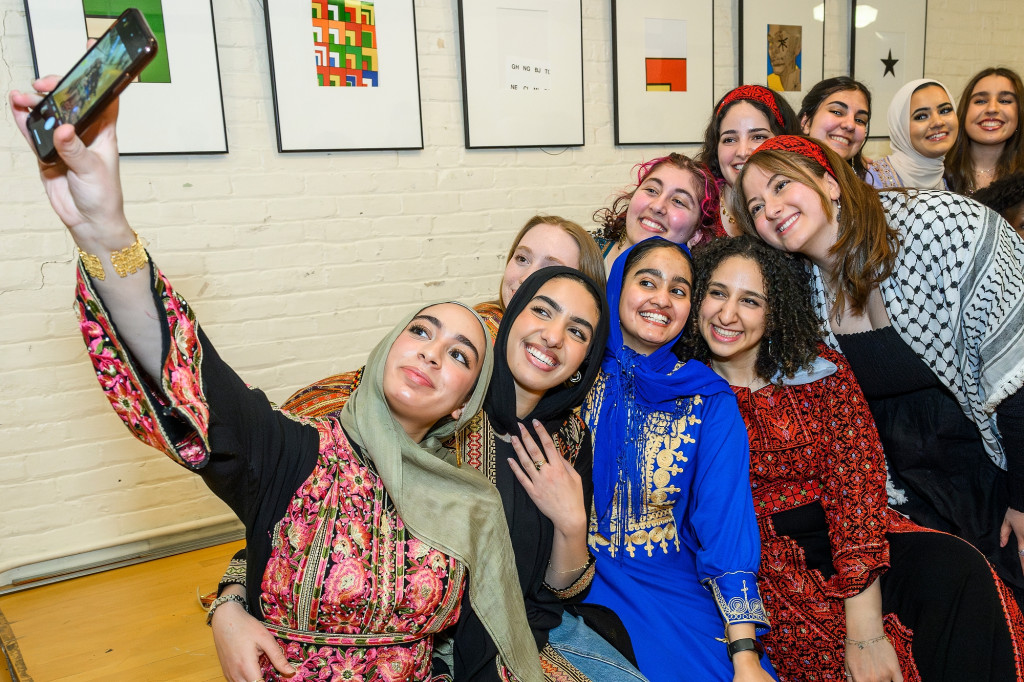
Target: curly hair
<point x="613" y="218"/>
<point x="708" y="154"/>
<point x="792" y="328"/>
<point x="959" y="165"/>
<point x="817" y="95"/>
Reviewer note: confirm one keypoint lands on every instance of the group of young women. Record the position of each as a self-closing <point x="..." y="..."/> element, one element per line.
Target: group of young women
<point x="674" y="474"/>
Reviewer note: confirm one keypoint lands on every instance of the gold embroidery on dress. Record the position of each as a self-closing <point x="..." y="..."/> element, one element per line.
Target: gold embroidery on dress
<point x="664" y="459"/>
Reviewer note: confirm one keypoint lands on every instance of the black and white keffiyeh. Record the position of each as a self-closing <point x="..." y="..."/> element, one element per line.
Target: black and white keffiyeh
<point x="956" y="297"/>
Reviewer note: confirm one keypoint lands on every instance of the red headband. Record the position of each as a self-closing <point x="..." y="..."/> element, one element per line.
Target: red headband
<point x="800" y="145"/>
<point x="757" y="93"/>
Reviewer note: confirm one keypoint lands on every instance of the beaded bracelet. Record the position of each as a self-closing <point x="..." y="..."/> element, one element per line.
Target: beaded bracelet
<point x="221" y="601"/>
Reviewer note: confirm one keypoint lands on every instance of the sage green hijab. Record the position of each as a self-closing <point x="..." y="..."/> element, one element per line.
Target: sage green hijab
<point x="454" y="510"/>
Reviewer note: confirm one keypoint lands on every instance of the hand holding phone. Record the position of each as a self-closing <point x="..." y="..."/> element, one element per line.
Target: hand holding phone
<point x="100" y="75"/>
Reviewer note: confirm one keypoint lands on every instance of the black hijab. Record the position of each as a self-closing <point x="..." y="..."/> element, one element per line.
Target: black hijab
<point x="555" y="405"/>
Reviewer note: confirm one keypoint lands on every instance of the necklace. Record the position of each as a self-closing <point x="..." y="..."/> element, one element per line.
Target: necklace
<point x="979" y="171"/>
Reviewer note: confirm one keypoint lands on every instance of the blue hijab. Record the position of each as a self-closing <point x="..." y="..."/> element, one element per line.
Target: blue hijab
<point x="635" y="386"/>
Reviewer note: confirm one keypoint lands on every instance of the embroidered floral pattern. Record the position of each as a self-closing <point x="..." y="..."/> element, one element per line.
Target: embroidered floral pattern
<point x="343" y="563"/>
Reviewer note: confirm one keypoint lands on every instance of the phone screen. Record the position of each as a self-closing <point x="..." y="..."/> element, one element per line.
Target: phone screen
<point x="98" y="71"/>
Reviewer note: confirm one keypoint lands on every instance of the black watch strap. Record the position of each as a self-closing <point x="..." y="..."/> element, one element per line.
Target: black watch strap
<point x="746" y="644"/>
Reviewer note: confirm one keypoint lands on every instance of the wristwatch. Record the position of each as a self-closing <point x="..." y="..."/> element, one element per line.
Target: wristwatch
<point x="745" y="644"/>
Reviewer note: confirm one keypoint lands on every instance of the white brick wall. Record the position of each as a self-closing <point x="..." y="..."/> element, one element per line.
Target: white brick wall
<point x="297" y="263"/>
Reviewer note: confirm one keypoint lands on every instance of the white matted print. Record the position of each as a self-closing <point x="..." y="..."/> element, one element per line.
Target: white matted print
<point x="522" y="72"/>
<point x="176" y="107"/>
<point x="663" y="54"/>
<point x="888" y="45"/>
<point x="782" y="45"/>
<point x="345" y="74"/>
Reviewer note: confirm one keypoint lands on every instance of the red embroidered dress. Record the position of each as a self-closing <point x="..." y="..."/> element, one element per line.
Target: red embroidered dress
<point x="347" y="591"/>
<point x="818" y="477"/>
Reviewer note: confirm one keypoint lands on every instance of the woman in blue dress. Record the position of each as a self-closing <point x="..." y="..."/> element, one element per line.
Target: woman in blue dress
<point x="673" y="529"/>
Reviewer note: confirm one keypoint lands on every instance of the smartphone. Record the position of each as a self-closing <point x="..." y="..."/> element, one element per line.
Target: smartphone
<point x="107" y="68"/>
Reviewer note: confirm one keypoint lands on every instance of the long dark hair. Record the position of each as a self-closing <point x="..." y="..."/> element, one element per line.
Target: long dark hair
<point x="708" y="154"/>
<point x="959" y="166"/>
<point x="816" y="96"/>
<point x="792" y="330"/>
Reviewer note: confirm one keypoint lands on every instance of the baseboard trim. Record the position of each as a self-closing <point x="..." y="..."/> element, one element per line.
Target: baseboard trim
<point x="86" y="563"/>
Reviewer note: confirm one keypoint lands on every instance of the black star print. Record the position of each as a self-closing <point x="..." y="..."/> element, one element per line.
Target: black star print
<point x="890" y="65"/>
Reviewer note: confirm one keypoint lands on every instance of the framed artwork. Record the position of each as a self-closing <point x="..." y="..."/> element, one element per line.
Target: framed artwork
<point x="663" y="69"/>
<point x="887" y="50"/>
<point x="522" y="72"/>
<point x="782" y="45"/>
<point x="175" y="106"/>
<point x="345" y="75"/>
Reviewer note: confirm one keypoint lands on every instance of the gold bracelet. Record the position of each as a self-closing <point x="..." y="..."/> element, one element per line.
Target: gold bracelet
<point x="865" y="643"/>
<point x="126" y="261"/>
<point x="590" y="558"/>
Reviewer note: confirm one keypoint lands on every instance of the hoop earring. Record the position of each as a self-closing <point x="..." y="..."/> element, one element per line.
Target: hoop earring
<point x="576" y="378"/>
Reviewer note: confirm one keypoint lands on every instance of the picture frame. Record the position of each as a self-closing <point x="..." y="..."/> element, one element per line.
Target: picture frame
<point x="344" y="80"/>
<point x="522" y="73"/>
<point x="177" y="105"/>
<point x="885" y="60"/>
<point x="782" y="45"/>
<point x="662" y="68"/>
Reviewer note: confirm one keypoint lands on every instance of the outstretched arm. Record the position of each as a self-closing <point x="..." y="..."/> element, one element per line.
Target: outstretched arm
<point x="84" y="188"/>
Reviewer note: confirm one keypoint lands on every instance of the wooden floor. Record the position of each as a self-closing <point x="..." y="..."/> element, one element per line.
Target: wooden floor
<point x="142" y="622"/>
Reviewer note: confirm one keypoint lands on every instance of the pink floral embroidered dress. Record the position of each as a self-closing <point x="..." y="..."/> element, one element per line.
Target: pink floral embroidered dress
<point x="349" y="594"/>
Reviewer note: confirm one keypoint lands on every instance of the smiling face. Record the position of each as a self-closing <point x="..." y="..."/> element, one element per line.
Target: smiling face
<point x="789" y="215"/>
<point x="743" y="129"/>
<point x="732" y="315"/>
<point x="933" y="124"/>
<point x="543" y="246"/>
<point x="841" y="122"/>
<point x="432" y="367"/>
<point x="992" y="114"/>
<point x="664" y="205"/>
<point x="549" y="340"/>
<point x="655" y="300"/>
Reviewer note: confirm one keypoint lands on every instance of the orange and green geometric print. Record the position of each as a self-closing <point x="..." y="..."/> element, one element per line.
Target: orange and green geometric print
<point x="345" y="42"/>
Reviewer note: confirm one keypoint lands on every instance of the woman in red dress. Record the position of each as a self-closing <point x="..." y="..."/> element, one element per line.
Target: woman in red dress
<point x="853" y="589"/>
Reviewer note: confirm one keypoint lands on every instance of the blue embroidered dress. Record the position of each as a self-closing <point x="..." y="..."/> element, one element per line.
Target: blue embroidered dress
<point x="673" y="529"/>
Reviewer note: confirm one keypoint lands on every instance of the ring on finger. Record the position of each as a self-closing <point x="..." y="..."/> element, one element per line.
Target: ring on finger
<point x="1020" y="552"/>
<point x="538" y="463"/>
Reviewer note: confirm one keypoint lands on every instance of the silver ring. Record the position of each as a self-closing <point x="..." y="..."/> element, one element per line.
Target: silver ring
<point x="1020" y="552"/>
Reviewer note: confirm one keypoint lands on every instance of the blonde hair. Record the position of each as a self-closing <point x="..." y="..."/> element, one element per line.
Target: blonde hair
<point x="866" y="247"/>
<point x="591" y="260"/>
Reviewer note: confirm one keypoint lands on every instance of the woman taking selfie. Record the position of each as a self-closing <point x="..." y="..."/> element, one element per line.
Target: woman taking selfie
<point x="673" y="530"/>
<point x="923" y="292"/>
<point x="852" y="588"/>
<point x="922" y="128"/>
<point x="334" y="509"/>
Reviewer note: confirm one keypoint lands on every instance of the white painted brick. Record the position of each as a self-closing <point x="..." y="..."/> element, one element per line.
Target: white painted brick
<point x="298" y="263"/>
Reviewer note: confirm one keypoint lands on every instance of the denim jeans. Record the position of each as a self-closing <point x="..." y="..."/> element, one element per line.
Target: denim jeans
<point x="591" y="653"/>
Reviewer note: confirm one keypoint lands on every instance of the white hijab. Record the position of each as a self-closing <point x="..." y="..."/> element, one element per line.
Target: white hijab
<point x="914" y="169"/>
